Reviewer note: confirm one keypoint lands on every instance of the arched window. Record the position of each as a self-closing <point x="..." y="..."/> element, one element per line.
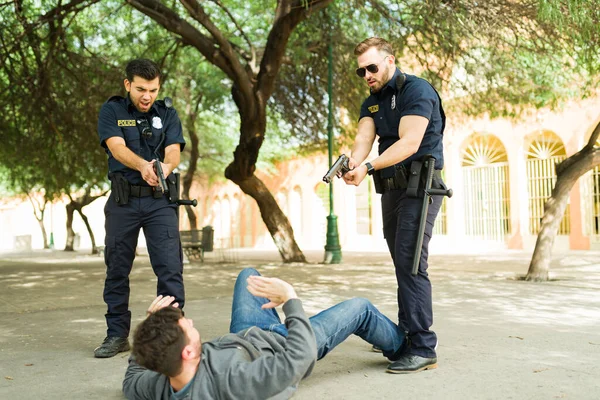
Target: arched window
<point x="544" y="152"/>
<point x="486" y="187"/>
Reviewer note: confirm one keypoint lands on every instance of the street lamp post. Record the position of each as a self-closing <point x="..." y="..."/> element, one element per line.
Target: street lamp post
<point x="333" y="250"/>
<point x="51" y="244"/>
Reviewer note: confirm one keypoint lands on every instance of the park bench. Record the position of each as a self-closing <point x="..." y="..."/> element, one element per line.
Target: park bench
<point x="195" y="242"/>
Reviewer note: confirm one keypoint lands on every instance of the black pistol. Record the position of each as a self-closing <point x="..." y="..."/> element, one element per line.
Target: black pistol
<point x="162" y="182"/>
<point x="340" y="165"/>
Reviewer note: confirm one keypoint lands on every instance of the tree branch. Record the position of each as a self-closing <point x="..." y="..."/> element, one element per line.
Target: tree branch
<point x="238" y="73"/>
<point x="238" y="27"/>
<point x="172" y="22"/>
<point x="288" y="15"/>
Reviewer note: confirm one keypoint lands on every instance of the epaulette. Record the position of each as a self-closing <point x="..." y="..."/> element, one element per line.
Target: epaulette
<point x="115" y="98"/>
<point x="167" y="102"/>
<point x="400" y="80"/>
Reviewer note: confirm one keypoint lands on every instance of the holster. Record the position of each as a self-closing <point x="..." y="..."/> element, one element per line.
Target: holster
<point x="377" y="181"/>
<point x="120" y="187"/>
<point x="397" y="181"/>
<point x="417" y="178"/>
<point x="173" y="184"/>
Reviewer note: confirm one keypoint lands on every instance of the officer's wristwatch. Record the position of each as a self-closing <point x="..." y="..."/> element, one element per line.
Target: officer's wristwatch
<point x="370" y="169"/>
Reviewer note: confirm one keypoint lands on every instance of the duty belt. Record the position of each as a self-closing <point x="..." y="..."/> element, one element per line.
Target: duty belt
<point x="400" y="179"/>
<point x="141" y="191"/>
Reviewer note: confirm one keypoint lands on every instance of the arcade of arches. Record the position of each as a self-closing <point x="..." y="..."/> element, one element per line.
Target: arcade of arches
<point x="501" y="173"/>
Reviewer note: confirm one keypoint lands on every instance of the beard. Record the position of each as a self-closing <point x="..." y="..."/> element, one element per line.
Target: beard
<point x="384" y="80"/>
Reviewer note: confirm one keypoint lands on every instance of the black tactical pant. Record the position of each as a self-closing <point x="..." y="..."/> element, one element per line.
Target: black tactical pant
<point x="159" y="220"/>
<point x="401" y="217"/>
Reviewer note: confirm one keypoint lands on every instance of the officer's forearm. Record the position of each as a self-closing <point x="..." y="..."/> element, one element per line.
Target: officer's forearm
<point x="361" y="150"/>
<point x="172" y="156"/>
<point x="394" y="154"/>
<point x="127" y="157"/>
<point x="363" y="143"/>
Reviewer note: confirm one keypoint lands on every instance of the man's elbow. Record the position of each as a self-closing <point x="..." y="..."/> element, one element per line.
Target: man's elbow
<point x="412" y="148"/>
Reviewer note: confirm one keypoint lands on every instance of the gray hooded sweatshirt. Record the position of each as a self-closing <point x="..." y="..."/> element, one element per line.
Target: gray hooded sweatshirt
<point x="252" y="364"/>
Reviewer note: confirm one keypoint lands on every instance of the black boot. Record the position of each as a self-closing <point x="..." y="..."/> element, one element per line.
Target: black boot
<point x="111" y="346"/>
<point x="411" y="363"/>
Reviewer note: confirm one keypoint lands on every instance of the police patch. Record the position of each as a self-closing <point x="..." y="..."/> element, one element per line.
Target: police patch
<point x="126" y="122"/>
<point x="374" y="108"/>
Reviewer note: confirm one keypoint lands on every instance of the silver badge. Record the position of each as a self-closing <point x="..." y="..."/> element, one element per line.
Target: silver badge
<point x="156" y="123"/>
<point x="393" y="102"/>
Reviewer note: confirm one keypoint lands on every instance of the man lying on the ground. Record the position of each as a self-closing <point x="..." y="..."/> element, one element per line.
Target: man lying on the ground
<point x="260" y="359"/>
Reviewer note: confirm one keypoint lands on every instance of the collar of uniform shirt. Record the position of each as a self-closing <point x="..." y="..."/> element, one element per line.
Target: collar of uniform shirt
<point x="390" y="85"/>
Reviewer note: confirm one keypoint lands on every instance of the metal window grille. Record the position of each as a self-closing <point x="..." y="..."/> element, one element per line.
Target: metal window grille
<point x="441" y="226"/>
<point x="541" y="175"/>
<point x="487" y="207"/>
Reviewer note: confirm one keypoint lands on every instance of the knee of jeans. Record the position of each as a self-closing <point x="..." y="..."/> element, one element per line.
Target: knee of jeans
<point x="246" y="272"/>
<point x="360" y="303"/>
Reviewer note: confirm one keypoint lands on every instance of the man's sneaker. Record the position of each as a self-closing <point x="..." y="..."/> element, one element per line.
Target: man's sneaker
<point x="410" y="363"/>
<point x="111" y="346"/>
<point x="376" y="349"/>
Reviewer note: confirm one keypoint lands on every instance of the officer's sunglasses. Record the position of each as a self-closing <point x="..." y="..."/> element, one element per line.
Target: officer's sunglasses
<point x="372" y="68"/>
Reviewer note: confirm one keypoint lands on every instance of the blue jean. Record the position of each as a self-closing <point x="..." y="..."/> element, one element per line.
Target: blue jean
<point x="332" y="326"/>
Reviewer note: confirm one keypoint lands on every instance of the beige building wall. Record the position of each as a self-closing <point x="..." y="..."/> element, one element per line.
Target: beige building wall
<point x="488" y="164"/>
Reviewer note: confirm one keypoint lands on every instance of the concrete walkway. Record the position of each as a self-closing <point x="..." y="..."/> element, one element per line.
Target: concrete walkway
<point x="499" y="337"/>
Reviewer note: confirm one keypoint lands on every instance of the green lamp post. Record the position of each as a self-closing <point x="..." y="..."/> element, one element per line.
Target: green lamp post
<point x="333" y="250"/>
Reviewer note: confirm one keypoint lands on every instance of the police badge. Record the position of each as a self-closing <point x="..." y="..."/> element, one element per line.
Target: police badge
<point x="157" y="123"/>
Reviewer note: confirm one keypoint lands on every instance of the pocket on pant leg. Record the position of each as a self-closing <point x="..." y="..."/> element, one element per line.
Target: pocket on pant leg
<point x="174" y="245"/>
<point x="110" y="247"/>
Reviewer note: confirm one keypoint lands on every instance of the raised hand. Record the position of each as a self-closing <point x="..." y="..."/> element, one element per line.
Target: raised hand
<point x="161" y="302"/>
<point x="274" y="289"/>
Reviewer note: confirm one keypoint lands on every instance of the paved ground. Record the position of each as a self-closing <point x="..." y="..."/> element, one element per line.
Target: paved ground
<point x="500" y="338"/>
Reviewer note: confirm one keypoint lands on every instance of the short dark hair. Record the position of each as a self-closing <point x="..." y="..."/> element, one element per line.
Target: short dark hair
<point x="159" y="340"/>
<point x="144" y="68"/>
<point x="379" y="43"/>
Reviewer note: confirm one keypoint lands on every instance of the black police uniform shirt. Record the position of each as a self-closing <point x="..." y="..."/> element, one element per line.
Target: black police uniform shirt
<point x="118" y="117"/>
<point x="416" y="97"/>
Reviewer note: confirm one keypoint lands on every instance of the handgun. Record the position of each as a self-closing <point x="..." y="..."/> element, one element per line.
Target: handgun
<point x="162" y="182"/>
<point x="342" y="164"/>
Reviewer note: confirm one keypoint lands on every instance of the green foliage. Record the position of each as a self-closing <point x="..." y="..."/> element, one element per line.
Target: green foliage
<point x="498" y="57"/>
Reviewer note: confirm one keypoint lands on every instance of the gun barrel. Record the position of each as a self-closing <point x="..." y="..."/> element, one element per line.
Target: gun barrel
<point x="335" y="168"/>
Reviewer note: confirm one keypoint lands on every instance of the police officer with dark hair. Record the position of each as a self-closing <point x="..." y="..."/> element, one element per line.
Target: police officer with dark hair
<point x="406" y="113"/>
<point x="134" y="131"/>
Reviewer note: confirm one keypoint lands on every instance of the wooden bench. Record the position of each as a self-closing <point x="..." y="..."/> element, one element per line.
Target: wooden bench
<point x="195" y="242"/>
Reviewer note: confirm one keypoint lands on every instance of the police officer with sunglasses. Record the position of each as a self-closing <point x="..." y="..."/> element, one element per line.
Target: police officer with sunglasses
<point x="134" y="131"/>
<point x="405" y="113"/>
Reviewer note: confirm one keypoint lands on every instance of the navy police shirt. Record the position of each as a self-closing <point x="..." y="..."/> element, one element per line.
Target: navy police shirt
<point x="416" y="97"/>
<point x="119" y="117"/>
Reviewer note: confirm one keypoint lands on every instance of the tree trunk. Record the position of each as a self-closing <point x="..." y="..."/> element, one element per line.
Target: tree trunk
<point x="277" y="223"/>
<point x="39" y="210"/>
<point x="252" y="88"/>
<point x="78" y="204"/>
<point x="241" y="172"/>
<point x="189" y="175"/>
<point x="567" y="174"/>
<point x="70" y="233"/>
<point x="89" y="229"/>
<point x="44" y="234"/>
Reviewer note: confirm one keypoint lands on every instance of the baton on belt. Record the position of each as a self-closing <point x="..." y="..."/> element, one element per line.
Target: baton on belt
<point x="429" y="163"/>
